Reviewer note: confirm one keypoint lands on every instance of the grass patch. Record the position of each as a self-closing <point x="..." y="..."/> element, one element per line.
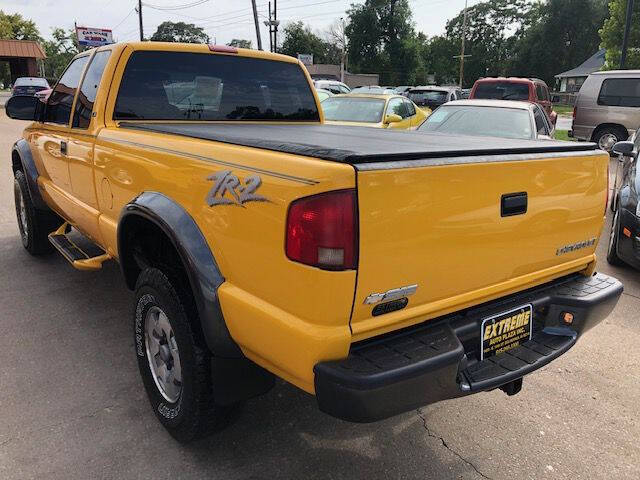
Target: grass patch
<point x="563" y="109"/>
<point x="563" y="135"/>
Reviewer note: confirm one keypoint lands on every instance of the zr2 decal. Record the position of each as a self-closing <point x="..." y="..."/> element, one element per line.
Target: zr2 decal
<point x="229" y="190"/>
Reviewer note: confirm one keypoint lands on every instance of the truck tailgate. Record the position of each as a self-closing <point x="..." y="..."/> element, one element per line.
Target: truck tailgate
<point x="457" y="228"/>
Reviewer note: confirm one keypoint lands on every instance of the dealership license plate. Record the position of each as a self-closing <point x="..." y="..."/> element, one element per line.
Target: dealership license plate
<point x="505" y="331"/>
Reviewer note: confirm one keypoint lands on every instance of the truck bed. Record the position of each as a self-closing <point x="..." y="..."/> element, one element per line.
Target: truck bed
<point x="357" y="145"/>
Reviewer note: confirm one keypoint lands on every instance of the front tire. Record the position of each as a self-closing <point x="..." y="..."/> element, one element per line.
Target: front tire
<point x="34" y="225"/>
<point x="175" y="366"/>
<point x="612" y="250"/>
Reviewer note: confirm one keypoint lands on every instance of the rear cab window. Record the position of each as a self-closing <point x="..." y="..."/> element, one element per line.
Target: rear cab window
<point x="541" y="124"/>
<point x="620" y="92"/>
<point x="502" y="91"/>
<point x="58" y="108"/>
<point x="160" y="85"/>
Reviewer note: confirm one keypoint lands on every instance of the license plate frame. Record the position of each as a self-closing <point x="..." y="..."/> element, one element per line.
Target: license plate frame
<point x="498" y="336"/>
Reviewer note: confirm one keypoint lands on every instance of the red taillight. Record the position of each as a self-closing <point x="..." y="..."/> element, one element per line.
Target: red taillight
<point x="322" y="230"/>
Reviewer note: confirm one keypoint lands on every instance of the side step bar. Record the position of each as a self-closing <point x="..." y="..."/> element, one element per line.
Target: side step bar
<point x="79" y="251"/>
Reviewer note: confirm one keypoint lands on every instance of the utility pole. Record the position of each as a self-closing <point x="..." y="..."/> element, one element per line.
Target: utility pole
<point x="625" y="39"/>
<point x="275" y="26"/>
<point x="464" y="34"/>
<point x="255" y="20"/>
<point x="140" y="19"/>
<point x="268" y="25"/>
<point x="344" y="51"/>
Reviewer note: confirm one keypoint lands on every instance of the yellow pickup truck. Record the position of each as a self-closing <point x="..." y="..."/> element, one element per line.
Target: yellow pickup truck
<point x="379" y="270"/>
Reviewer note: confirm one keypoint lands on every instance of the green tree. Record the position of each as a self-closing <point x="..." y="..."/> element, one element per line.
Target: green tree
<point x="382" y="38"/>
<point x="298" y="38"/>
<point x="489" y="38"/>
<point x="563" y="35"/>
<point x="612" y="33"/>
<point x="60" y="50"/>
<point x="17" y="28"/>
<point x="239" y="43"/>
<point x="438" y="59"/>
<point x="179" y="32"/>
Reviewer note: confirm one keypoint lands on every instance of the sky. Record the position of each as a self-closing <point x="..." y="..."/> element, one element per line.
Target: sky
<point x="221" y="19"/>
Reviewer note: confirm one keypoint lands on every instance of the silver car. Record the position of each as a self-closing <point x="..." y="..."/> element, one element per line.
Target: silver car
<point x="494" y="118"/>
<point x="607" y="108"/>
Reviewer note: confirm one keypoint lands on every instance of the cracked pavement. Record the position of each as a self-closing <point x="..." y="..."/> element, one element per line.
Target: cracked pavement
<point x="72" y="404"/>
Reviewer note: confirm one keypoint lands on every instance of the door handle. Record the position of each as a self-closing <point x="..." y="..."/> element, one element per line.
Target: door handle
<point x="63" y="147"/>
<point x="513" y="204"/>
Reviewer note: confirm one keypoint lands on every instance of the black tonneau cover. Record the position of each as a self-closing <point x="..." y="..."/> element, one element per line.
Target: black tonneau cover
<point x="357" y="144"/>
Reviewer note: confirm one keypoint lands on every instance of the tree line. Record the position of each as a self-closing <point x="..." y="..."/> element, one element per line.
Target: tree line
<point x="538" y="38"/>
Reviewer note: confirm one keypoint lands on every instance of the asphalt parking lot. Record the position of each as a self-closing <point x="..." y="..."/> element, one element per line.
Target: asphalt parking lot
<point x="72" y="404"/>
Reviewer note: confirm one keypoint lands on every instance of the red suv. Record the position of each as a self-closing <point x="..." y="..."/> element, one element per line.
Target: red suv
<point x="514" y="88"/>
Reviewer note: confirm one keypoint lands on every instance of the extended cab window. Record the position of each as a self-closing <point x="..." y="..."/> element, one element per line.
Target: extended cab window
<point x="61" y="99"/>
<point x="541" y="125"/>
<point x="89" y="88"/>
<point x="200" y="86"/>
<point x="620" y="92"/>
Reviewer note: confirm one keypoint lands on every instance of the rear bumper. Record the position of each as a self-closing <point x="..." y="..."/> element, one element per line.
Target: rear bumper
<point x="439" y="359"/>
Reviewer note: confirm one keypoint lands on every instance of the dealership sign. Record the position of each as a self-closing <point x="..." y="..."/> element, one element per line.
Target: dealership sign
<point x="93" y="37"/>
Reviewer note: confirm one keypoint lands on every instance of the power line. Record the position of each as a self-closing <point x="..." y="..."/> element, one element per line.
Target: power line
<point x="176" y="7"/>
<point x="122" y="21"/>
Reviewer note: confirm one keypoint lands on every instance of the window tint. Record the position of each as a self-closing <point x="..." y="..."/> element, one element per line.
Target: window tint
<point x="620" y="92"/>
<point x="539" y="94"/>
<point x="502" y="91"/>
<point x="61" y="99"/>
<point x="541" y="126"/>
<point x="202" y="86"/>
<point x="430" y="98"/>
<point x="411" y="110"/>
<point x="84" y="105"/>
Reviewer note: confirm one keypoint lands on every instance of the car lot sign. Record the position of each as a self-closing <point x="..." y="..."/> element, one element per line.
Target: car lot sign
<point x="306" y="58"/>
<point x="94" y="37"/>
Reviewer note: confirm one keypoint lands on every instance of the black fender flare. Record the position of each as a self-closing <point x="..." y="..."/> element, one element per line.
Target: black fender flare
<point x="202" y="270"/>
<point x="23" y="151"/>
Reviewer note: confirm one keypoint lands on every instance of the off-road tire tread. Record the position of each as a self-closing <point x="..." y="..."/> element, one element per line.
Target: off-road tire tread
<point x="40" y="222"/>
<point x="207" y="417"/>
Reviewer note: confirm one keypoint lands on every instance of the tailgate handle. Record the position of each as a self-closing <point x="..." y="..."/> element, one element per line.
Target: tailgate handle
<point x="513" y="204"/>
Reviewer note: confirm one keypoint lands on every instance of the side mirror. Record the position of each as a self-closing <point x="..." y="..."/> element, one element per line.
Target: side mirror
<point x="626" y="149"/>
<point x="22" y="107"/>
<point x="392" y="118"/>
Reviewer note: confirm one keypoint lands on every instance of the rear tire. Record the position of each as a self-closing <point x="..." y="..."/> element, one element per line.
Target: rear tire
<point x="612" y="250"/>
<point x="607" y="137"/>
<point x="174" y="364"/>
<point x="34" y="225"/>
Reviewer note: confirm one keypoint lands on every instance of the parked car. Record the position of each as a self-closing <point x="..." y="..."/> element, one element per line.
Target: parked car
<point x="464" y="93"/>
<point x="624" y="239"/>
<point x="379" y="111"/>
<point x="334" y="86"/>
<point x="29" y="85"/>
<point x="607" y="108"/>
<point x="43" y="94"/>
<point x="374" y="90"/>
<point x="431" y="97"/>
<point x="403" y="89"/>
<point x="323" y="94"/>
<point x="493" y="118"/>
<point x="515" y="88"/>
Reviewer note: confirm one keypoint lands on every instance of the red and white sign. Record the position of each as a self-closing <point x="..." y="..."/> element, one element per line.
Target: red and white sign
<point x="94" y="37"/>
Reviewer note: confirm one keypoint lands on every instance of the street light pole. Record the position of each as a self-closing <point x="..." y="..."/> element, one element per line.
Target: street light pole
<point x="625" y="39"/>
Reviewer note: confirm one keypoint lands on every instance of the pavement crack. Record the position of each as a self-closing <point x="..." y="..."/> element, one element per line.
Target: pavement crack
<point x="631" y="295"/>
<point x="446" y="445"/>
